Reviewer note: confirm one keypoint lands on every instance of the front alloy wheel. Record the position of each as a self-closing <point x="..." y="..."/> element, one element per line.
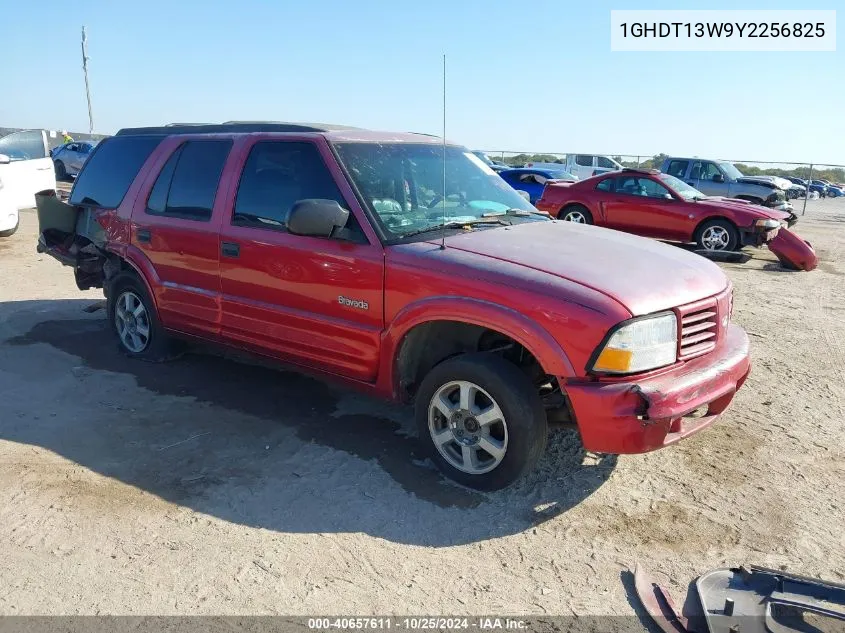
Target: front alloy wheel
<point x="468" y="427"/>
<point x="481" y="420"/>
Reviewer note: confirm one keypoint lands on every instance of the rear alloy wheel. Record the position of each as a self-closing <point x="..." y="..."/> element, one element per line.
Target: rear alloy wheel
<point x="133" y="317"/>
<point x="482" y="420"/>
<point x="576" y="213"/>
<point x="717" y="235"/>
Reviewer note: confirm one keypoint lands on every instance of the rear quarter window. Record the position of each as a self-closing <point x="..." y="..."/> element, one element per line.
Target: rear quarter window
<point x="111" y="169"/>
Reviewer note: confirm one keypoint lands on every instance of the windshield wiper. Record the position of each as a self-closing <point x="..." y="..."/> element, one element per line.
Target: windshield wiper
<point x="455" y="225"/>
<point x="515" y="212"/>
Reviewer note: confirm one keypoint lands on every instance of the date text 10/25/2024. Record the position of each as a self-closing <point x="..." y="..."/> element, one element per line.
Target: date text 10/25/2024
<point x="483" y="623"/>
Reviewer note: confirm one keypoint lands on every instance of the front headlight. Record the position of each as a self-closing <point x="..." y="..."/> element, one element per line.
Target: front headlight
<point x="767" y="224"/>
<point x="639" y="345"/>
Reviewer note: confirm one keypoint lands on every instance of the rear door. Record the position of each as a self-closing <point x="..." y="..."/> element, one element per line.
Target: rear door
<point x="175" y="222"/>
<point x="314" y="301"/>
<point x="30" y="169"/>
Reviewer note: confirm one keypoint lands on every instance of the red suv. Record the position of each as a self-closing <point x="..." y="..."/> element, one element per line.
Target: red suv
<point x="406" y="267"/>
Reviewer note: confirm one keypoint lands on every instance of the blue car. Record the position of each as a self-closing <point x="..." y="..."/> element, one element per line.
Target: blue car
<point x="532" y="181"/>
<point x="818" y="186"/>
<point x="834" y="192"/>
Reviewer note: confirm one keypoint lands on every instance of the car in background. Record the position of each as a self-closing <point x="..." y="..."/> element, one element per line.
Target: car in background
<point x="721" y="178"/>
<point x="532" y="181"/>
<point x="835" y="191"/>
<point x="582" y="165"/>
<point x="654" y="204"/>
<point x="492" y="164"/>
<point x="69" y="158"/>
<point x="819" y="186"/>
<point x="25" y="169"/>
<point x="792" y="189"/>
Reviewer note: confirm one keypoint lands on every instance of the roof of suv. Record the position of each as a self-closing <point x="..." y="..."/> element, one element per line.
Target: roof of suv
<point x="330" y="131"/>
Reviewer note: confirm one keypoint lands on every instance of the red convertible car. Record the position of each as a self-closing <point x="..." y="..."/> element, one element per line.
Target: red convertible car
<point x="654" y="204"/>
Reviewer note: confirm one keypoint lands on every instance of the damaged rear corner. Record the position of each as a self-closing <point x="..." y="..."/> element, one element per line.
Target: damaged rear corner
<point x="72" y="236"/>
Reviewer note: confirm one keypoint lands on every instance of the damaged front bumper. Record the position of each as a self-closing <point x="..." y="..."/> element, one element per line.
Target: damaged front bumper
<point x="792" y="251"/>
<point x="645" y="414"/>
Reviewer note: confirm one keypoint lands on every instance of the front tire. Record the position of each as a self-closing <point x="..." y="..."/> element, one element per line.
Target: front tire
<point x="576" y="213"/>
<point x="481" y="420"/>
<point x="134" y="319"/>
<point x="717" y="235"/>
<point x="61" y="170"/>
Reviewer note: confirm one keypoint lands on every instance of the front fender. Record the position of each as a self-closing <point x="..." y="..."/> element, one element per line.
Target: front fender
<point x="517" y="326"/>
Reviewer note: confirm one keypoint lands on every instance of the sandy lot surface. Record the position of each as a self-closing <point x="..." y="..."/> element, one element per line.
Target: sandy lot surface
<point x="210" y="486"/>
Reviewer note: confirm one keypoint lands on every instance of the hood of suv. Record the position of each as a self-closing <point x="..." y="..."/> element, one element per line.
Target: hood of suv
<point x="643" y="275"/>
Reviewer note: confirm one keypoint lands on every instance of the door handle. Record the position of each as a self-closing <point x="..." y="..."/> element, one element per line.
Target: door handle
<point x="143" y="236"/>
<point x="230" y="249"/>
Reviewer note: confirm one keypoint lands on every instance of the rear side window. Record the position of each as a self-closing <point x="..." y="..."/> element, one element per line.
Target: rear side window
<point x="187" y="184"/>
<point x="605" y="185"/>
<point x="677" y="168"/>
<point x="583" y="160"/>
<point x="109" y="172"/>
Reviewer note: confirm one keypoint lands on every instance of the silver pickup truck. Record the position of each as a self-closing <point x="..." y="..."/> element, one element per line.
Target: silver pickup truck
<point x="721" y="178"/>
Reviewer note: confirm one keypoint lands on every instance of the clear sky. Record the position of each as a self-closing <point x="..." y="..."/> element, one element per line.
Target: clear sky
<point x="536" y="75"/>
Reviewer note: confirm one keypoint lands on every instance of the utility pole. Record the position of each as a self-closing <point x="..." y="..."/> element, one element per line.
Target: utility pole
<point x="87" y="87"/>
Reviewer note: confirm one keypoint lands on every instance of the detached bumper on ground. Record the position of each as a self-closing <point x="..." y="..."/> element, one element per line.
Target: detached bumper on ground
<point x="650" y="413"/>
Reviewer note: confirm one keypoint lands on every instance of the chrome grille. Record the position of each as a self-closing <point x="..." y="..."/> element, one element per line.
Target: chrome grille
<point x="699" y="329"/>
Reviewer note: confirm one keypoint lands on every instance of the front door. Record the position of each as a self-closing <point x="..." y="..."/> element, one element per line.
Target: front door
<point x="30" y="169"/>
<point x="174" y="223"/>
<point x="645" y="207"/>
<point x="313" y="301"/>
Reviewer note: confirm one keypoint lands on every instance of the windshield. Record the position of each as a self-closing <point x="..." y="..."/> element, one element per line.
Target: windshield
<point x="732" y="172"/>
<point x="483" y="157"/>
<point x="403" y="185"/>
<point x="681" y="188"/>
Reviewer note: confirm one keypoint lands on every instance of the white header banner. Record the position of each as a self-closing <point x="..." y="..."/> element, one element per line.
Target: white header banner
<point x="723" y="30"/>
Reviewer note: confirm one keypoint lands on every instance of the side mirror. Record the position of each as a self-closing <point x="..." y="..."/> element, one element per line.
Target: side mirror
<point x="4" y="159"/>
<point x="668" y="196"/>
<point x="316" y="217"/>
<point x="718" y="178"/>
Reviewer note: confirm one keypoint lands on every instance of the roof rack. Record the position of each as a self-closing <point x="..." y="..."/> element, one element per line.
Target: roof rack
<point x="230" y="127"/>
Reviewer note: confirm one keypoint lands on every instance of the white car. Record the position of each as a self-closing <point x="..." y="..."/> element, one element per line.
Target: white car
<point x="25" y="169"/>
<point x="582" y="165"/>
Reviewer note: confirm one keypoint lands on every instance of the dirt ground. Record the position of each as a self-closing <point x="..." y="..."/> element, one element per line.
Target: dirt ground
<point x="210" y="486"/>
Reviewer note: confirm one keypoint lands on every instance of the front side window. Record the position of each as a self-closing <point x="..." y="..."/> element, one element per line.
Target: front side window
<point x="190" y="178"/>
<point x="606" y="163"/>
<point x="403" y="185"/>
<point x="277" y="174"/>
<point x="583" y="160"/>
<point x="708" y="171"/>
<point x="644" y="187"/>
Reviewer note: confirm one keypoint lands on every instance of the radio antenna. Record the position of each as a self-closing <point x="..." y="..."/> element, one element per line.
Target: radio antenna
<point x="443" y="202"/>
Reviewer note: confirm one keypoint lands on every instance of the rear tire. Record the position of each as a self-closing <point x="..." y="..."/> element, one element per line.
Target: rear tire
<point x="61" y="170"/>
<point x="134" y="320"/>
<point x="496" y="428"/>
<point x="577" y="213"/>
<point x="717" y="235"/>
